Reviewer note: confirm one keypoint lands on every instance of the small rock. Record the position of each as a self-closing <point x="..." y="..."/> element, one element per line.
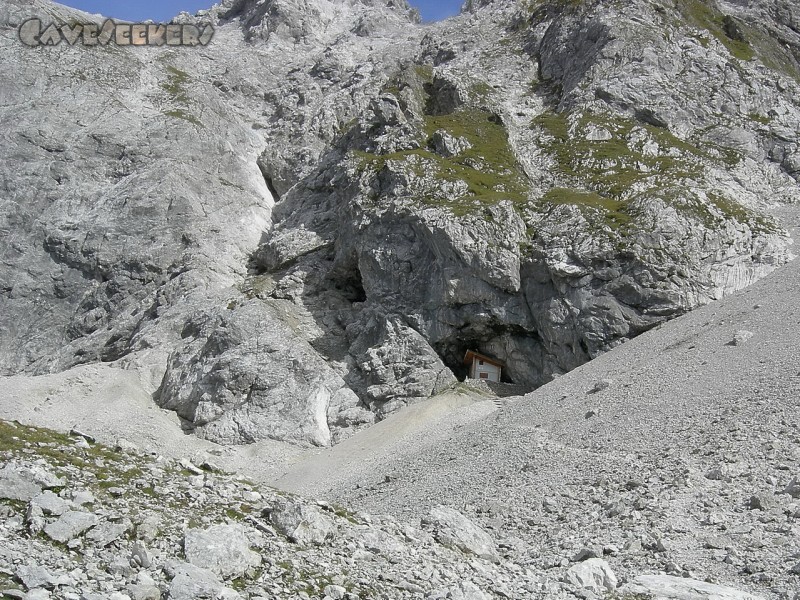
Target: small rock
<point x="191" y="467"/>
<point x="760" y="502"/>
<point x="82" y="497"/>
<point x="466" y="590"/>
<point x="447" y="145"/>
<point x="717" y="542"/>
<point x="741" y="337"/>
<point x="597" y="134"/>
<point x="35" y="576"/>
<point x="16" y="485"/>
<point x="252" y="497"/>
<point x="50" y="504"/>
<point x="107" y="533"/>
<point x="191" y="583"/>
<point x="719" y="473"/>
<point x="335" y="592"/>
<point x="148" y="529"/>
<point x="587" y="553"/>
<point x="301" y="523"/>
<point x="123" y="445"/>
<point x="793" y="489"/>
<point x="601" y="385"/>
<point x="78" y="433"/>
<point x="145" y="588"/>
<point x="610" y="550"/>
<point x="140" y="556"/>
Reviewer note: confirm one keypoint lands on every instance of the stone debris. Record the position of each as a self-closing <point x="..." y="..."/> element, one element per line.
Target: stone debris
<point x="231" y="541"/>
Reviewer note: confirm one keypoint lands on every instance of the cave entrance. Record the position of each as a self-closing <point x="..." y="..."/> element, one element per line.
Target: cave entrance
<point x="482" y="367"/>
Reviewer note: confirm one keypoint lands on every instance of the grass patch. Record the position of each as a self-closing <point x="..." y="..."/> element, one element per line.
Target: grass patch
<point x="484" y="174"/>
<point x="704" y="16"/>
<point x="609" y="171"/>
<point x="489" y="168"/>
<point x="744" y="41"/>
<point x="615" y="167"/>
<point x="613" y="212"/>
<point x="179" y="113"/>
<point x="175" y="84"/>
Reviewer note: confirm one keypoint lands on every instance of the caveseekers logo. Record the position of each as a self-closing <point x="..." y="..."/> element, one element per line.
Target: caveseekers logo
<point x="34" y="33"/>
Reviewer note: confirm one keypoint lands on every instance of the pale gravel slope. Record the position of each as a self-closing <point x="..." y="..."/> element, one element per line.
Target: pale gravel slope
<point x="109" y="403"/>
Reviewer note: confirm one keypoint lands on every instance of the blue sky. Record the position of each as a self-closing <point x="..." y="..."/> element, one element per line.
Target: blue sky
<point x="162" y="10"/>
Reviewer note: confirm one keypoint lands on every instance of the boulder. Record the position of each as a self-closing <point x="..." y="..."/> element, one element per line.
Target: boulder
<point x="302" y="523"/>
<point x="452" y="529"/>
<point x="222" y="549"/>
<point x="70" y="525"/>
<point x="594" y="575"/>
<point x="667" y="587"/>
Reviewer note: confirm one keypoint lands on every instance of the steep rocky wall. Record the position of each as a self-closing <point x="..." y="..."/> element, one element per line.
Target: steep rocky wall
<point x="303" y="226"/>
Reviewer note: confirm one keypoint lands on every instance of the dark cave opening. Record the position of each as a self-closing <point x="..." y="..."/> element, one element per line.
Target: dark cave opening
<point x="268" y="180"/>
<point x="350" y="284"/>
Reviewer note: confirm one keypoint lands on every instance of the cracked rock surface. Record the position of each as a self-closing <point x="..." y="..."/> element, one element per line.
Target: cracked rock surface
<point x="300" y="228"/>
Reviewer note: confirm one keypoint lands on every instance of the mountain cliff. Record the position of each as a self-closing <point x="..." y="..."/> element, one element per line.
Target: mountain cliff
<point x="302" y="227"/>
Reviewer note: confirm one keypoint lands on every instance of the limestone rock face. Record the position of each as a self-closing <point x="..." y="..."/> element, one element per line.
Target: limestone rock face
<point x="233" y="385"/>
<point x="302" y="227"/>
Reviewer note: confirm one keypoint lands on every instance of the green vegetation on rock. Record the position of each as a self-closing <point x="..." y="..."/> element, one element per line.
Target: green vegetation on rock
<point x="744" y="41"/>
<point x="609" y="161"/>
<point x="489" y="168"/>
<point x="175" y="86"/>
<point x="704" y="15"/>
<point x="612" y="211"/>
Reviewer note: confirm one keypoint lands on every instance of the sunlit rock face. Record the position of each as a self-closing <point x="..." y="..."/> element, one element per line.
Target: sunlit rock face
<point x="303" y="225"/>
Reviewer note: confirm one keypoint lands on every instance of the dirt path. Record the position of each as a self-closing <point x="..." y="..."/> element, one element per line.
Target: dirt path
<point x="366" y="454"/>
